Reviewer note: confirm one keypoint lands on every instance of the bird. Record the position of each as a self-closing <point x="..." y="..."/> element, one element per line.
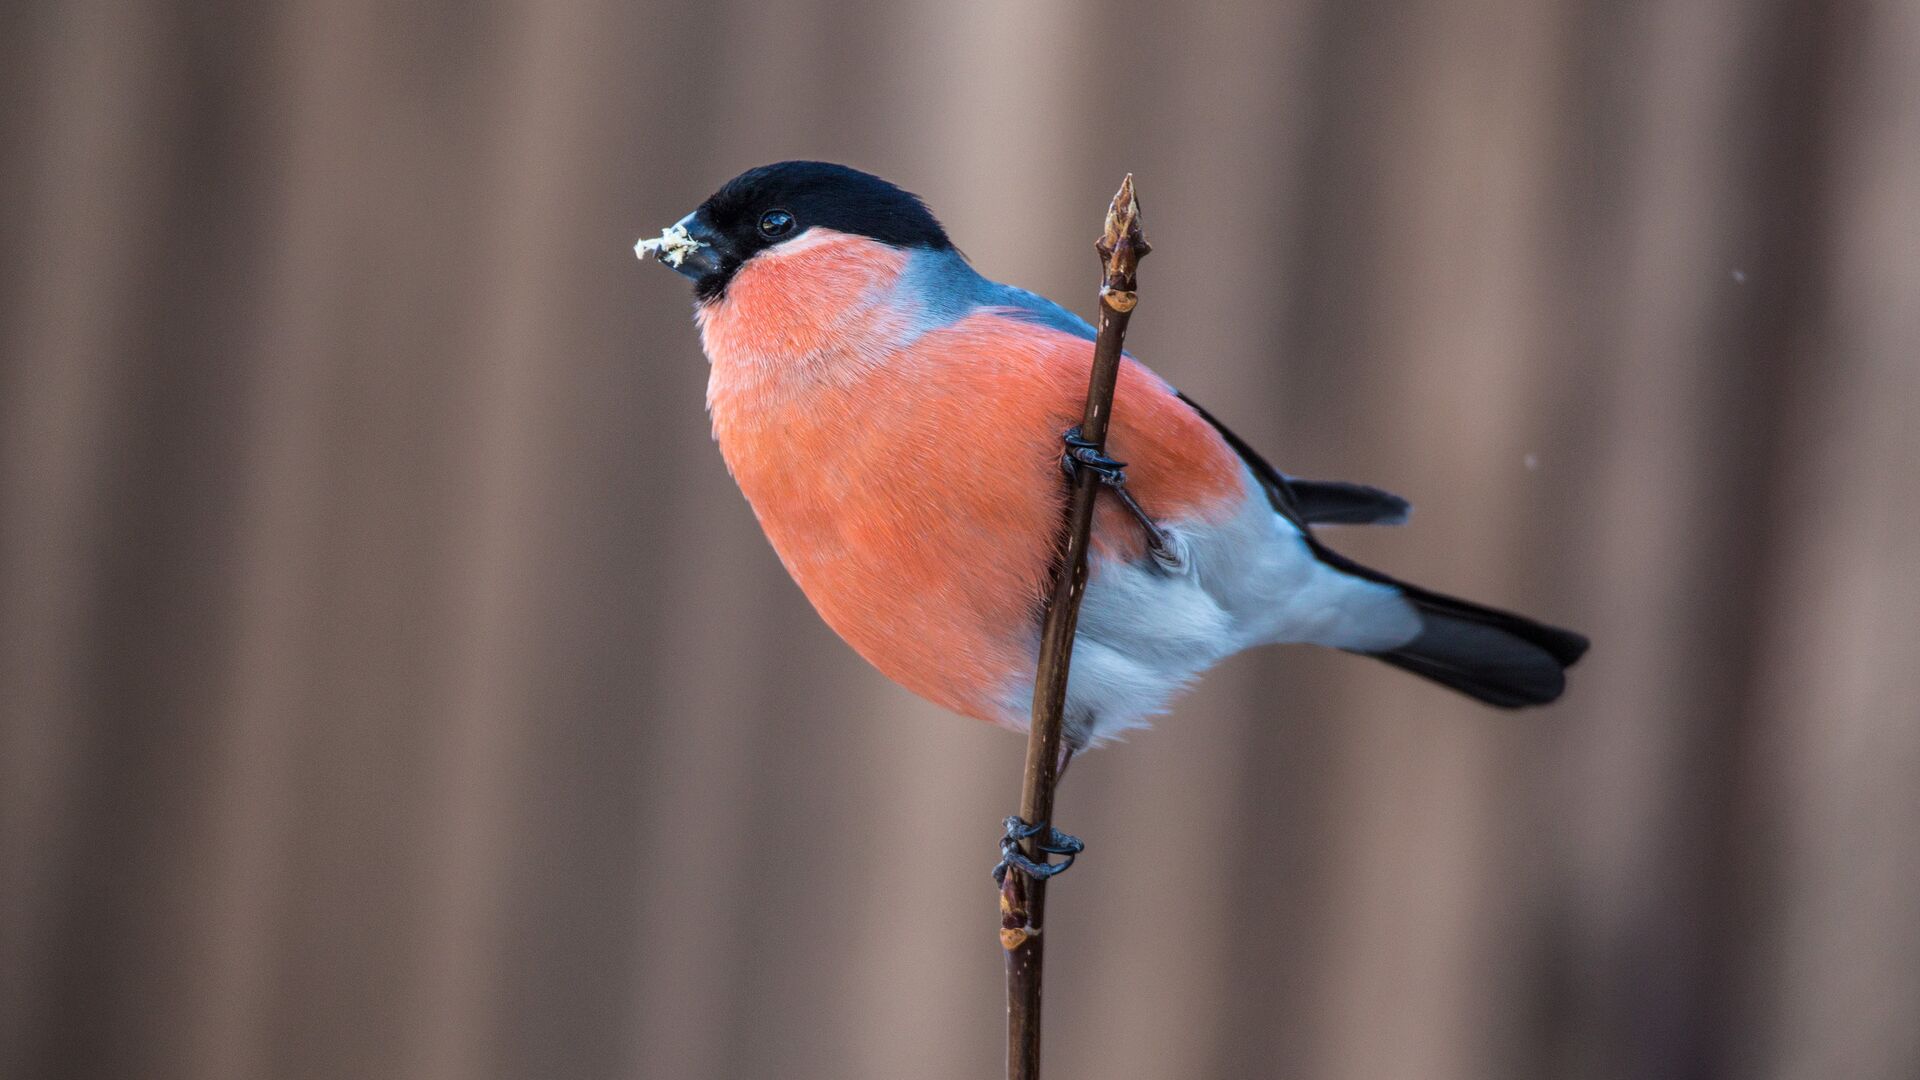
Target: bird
<point x="900" y="423"/>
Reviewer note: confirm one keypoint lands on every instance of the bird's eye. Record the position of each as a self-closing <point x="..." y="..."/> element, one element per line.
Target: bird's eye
<point x="775" y="223"/>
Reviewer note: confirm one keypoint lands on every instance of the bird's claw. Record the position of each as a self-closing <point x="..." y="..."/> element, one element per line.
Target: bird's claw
<point x="1052" y="842"/>
<point x="1084" y="453"/>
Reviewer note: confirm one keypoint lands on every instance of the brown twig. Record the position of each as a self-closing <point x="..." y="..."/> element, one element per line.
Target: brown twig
<point x="1023" y="899"/>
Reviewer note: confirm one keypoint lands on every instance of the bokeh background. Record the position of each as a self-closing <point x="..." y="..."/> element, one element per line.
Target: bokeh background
<point x="396" y="686"/>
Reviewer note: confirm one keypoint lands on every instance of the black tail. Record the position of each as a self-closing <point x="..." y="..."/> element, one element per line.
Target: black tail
<point x="1496" y="656"/>
<point x="1500" y="658"/>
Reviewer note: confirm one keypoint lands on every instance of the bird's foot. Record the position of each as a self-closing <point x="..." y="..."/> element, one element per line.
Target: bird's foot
<point x="1052" y="842"/>
<point x="1083" y="453"/>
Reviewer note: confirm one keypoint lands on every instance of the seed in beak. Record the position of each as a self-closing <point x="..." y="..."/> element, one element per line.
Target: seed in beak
<point x="672" y="246"/>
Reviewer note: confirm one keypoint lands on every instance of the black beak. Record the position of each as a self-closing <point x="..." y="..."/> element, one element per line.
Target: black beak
<point x="706" y="260"/>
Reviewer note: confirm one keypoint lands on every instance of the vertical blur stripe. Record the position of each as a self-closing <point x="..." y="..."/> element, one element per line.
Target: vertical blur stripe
<point x="392" y="682"/>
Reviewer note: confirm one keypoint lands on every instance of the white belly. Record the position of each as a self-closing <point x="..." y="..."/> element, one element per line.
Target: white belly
<point x="1146" y="632"/>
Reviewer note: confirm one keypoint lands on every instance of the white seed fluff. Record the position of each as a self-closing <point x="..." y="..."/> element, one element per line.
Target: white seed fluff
<point x="672" y="246"/>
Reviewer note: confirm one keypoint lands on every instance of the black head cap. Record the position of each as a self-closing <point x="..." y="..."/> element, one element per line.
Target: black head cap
<point x="772" y="204"/>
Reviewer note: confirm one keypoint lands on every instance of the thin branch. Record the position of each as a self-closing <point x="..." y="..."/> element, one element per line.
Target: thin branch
<point x="1022" y="898"/>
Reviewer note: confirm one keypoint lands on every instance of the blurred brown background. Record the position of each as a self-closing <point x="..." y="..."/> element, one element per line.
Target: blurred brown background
<point x="396" y="686"/>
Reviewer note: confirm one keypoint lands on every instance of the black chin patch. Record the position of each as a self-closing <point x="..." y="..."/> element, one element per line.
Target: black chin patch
<point x="712" y="285"/>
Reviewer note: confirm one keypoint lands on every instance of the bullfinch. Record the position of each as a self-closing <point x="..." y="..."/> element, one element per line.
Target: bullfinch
<point x="896" y="421"/>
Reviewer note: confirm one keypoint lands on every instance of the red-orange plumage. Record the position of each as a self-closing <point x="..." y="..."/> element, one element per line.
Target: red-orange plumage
<point x="915" y="491"/>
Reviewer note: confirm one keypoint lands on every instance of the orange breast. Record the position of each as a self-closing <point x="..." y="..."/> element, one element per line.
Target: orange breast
<point x="916" y="497"/>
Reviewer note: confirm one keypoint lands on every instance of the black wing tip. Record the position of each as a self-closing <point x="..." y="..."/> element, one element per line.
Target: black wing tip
<point x="1338" y="502"/>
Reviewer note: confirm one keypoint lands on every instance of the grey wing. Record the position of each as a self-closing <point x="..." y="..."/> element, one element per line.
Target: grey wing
<point x="1308" y="502"/>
